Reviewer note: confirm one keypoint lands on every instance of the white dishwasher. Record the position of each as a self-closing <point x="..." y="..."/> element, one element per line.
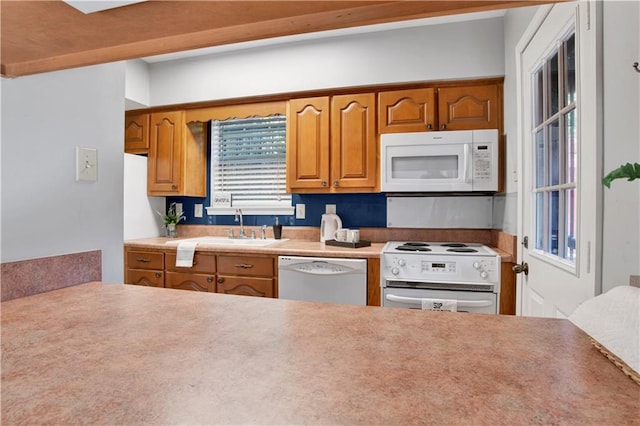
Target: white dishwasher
<point x="323" y="279"/>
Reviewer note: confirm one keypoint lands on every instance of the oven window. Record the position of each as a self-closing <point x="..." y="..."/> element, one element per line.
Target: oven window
<point x="425" y="167"/>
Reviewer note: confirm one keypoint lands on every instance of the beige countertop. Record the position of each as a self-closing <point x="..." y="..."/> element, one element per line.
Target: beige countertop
<point x="119" y="354"/>
<point x="285" y="247"/>
<point x="291" y="247"/>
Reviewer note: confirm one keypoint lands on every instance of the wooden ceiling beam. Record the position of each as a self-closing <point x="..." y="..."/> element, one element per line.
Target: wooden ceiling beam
<point x="45" y="46"/>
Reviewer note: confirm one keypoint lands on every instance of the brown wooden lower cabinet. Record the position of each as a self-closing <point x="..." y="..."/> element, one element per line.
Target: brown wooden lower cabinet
<point x="187" y="281"/>
<point x="245" y="286"/>
<point x="145" y="277"/>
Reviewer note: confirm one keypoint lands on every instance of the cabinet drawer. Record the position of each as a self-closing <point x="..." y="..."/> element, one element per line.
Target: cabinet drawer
<point x="245" y="286"/>
<point x="145" y="260"/>
<point x="194" y="282"/>
<point x="145" y="277"/>
<point x="202" y="263"/>
<point x="246" y="265"/>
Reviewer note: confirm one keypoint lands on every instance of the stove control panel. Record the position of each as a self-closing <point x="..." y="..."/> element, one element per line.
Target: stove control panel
<point x="439" y="268"/>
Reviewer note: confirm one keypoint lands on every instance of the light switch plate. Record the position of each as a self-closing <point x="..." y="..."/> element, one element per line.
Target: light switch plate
<point x="197" y="210"/>
<point x="86" y="164"/>
<point x="300" y="211"/>
<point x="329" y="208"/>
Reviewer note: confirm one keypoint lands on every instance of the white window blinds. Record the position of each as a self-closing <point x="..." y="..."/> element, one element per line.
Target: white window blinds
<point x="248" y="161"/>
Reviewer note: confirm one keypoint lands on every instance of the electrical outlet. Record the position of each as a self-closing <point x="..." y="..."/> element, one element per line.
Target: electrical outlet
<point x="329" y="208"/>
<point x="197" y="210"/>
<point x="179" y="210"/>
<point x="300" y="211"/>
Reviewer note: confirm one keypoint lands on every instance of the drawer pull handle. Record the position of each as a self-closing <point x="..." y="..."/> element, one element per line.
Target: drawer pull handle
<point x="244" y="265"/>
<point x="209" y="279"/>
<point x="220" y="280"/>
<point x="143" y="260"/>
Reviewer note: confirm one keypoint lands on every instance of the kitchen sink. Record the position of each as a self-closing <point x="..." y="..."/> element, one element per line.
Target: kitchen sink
<point x="226" y="241"/>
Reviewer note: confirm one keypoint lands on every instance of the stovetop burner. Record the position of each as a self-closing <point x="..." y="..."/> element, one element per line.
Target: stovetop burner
<point x="454" y="245"/>
<point x="415" y="244"/>
<point x="412" y="248"/>
<point x="458" y="249"/>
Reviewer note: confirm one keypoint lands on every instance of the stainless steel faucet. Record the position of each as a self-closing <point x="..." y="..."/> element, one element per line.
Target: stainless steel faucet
<point x="239" y="215"/>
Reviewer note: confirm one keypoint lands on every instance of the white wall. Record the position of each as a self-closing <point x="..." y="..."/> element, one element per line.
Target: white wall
<point x="45" y="211"/>
<point x="621" y="240"/>
<point x="136" y="89"/>
<point x="516" y="22"/>
<point x="436" y="52"/>
<point x="140" y="218"/>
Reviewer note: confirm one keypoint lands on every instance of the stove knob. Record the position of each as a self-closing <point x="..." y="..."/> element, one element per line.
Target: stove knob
<point x="483" y="275"/>
<point x="476" y="265"/>
<point x="401" y="262"/>
<point x="395" y="271"/>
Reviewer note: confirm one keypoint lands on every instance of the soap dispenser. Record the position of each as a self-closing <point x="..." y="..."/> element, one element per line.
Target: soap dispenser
<point x="277" y="230"/>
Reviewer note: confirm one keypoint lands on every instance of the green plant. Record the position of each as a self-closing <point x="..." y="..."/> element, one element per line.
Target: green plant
<point x="171" y="217"/>
<point x="628" y="171"/>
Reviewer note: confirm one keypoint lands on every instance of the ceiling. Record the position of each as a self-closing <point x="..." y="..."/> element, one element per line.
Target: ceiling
<point x="40" y="36"/>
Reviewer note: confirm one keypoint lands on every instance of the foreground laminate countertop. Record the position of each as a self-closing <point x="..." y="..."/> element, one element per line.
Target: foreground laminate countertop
<point x="116" y="354"/>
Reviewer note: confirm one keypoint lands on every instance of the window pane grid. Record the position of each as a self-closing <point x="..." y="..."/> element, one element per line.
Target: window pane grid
<point x="555" y="154"/>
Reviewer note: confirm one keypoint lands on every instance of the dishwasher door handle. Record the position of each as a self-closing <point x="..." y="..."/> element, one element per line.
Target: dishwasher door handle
<point x="461" y="303"/>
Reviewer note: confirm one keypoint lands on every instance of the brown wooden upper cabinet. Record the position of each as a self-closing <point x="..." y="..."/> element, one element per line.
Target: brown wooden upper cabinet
<point x="469" y="107"/>
<point x="332" y="144"/>
<point x="410" y="110"/>
<point x="136" y="133"/>
<point x="177" y="156"/>
<point x="454" y="107"/>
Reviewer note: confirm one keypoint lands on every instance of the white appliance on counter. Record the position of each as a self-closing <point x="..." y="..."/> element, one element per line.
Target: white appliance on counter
<point x="462" y="277"/>
<point x="329" y="224"/>
<point x="459" y="160"/>
<point x="322" y="279"/>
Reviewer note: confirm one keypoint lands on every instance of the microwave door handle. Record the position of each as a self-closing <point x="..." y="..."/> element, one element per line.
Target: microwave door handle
<point x="461" y="303"/>
<point x="467" y="153"/>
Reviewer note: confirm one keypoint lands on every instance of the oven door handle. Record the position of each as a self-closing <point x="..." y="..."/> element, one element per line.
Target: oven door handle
<point x="461" y="303"/>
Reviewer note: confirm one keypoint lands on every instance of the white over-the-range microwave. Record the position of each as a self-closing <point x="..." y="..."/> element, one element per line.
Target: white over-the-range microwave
<point x="449" y="161"/>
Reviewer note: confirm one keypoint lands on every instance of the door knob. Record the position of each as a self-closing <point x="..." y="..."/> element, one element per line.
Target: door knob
<point x="523" y="267"/>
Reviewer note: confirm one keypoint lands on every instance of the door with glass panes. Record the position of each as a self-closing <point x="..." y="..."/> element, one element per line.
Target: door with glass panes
<point x="559" y="192"/>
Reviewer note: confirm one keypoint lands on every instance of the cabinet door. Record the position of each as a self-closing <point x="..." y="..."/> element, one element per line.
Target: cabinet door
<point x="194" y="282"/>
<point x="353" y="143"/>
<point x="165" y="153"/>
<point x="411" y="110"/>
<point x="469" y="107"/>
<point x="246" y="265"/>
<point x="308" y="144"/>
<point x="203" y="263"/>
<point x="245" y="286"/>
<point x="136" y="133"/>
<point x="140" y="259"/>
<point x="144" y="277"/>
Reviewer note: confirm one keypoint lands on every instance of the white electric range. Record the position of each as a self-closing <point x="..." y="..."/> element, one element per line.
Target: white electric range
<point x="441" y="276"/>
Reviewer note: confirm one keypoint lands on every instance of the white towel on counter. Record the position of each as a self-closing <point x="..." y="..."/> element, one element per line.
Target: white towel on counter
<point x="184" y="255"/>
<point x="440" y="305"/>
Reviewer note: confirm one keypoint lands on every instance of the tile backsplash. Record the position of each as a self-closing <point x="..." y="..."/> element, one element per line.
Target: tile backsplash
<point x="355" y="210"/>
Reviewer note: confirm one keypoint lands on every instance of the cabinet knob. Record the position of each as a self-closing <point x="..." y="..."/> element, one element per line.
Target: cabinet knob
<point x="443" y="127"/>
<point x="429" y="126"/>
<point x="158" y="274"/>
<point x="324" y="183"/>
<point x="220" y="280"/>
<point x="336" y="183"/>
<point x="174" y="187"/>
<point x="209" y="279"/>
